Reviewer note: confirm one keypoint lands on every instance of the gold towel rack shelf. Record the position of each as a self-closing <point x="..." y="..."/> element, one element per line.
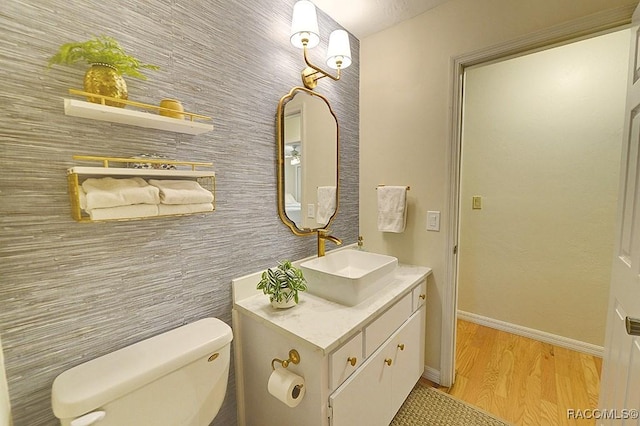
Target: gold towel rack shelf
<point x="130" y="167"/>
<point x="105" y="161"/>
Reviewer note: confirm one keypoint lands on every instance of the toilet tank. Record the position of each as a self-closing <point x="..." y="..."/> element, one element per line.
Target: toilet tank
<point x="178" y="378"/>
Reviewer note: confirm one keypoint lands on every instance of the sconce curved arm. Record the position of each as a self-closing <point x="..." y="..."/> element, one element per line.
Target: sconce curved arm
<point x="313" y="73"/>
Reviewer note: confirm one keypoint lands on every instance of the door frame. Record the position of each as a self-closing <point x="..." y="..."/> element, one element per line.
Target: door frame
<point x="569" y="32"/>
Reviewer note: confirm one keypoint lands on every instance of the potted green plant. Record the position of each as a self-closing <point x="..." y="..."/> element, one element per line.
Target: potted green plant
<point x="282" y="284"/>
<point x="108" y="63"/>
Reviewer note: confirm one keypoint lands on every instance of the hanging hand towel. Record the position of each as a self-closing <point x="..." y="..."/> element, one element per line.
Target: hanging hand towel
<point x="181" y="192"/>
<point x="110" y="192"/>
<point x="392" y="208"/>
<point x="326" y="204"/>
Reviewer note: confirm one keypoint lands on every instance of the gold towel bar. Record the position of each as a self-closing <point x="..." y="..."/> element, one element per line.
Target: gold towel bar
<point x="382" y="184"/>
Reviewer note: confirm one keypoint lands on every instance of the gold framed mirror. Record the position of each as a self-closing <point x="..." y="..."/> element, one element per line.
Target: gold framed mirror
<point x="307" y="135"/>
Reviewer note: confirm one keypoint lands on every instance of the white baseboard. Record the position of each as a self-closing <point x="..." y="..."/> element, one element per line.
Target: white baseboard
<point x="431" y="374"/>
<point x="531" y="333"/>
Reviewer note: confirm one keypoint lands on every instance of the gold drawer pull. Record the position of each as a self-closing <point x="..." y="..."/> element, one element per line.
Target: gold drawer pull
<point x="401" y="346"/>
<point x="352" y="360"/>
<point x="388" y="361"/>
<point x="423" y="296"/>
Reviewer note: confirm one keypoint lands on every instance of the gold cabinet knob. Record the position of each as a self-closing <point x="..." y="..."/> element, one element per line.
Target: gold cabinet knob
<point x="388" y="361"/>
<point x="423" y="296"/>
<point x="352" y="360"/>
<point x="401" y="346"/>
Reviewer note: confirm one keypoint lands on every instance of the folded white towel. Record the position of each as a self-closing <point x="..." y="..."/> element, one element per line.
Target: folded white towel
<point x="110" y="192"/>
<point x="392" y="208"/>
<point x="172" y="209"/>
<point x="326" y="204"/>
<point x="83" y="198"/>
<point x="181" y="192"/>
<point x="124" y="212"/>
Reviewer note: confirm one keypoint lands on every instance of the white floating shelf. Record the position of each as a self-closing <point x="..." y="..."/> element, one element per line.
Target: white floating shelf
<point x="76" y="108"/>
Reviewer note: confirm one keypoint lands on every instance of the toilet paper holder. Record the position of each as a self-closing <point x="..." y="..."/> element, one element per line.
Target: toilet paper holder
<point x="294" y="357"/>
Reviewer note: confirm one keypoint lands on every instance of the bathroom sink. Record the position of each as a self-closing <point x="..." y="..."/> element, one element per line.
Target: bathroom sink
<point x="348" y="276"/>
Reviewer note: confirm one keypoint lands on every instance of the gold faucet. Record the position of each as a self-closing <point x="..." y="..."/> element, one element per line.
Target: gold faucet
<point x="323" y="234"/>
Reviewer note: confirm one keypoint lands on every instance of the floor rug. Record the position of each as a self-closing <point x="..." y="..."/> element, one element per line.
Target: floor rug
<point x="427" y="406"/>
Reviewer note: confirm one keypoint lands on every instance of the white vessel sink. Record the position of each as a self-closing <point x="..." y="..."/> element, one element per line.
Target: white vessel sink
<point x="348" y="276"/>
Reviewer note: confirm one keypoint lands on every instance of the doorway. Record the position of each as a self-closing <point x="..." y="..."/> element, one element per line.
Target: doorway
<point x="542" y="136"/>
<point x="521" y="201"/>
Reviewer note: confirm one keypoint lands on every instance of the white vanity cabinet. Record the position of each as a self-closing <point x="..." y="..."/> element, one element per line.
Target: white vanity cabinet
<point x="374" y="393"/>
<point x="359" y="363"/>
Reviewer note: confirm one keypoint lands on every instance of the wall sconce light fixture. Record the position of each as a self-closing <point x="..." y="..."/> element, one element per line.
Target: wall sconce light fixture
<point x="305" y="35"/>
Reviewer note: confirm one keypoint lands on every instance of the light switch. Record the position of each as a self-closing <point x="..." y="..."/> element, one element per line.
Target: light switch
<point x="476" y="202"/>
<point x="311" y="210"/>
<point x="433" y="221"/>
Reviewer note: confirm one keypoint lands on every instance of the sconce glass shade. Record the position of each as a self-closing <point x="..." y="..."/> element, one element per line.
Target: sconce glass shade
<point x="304" y="25"/>
<point x="339" y="50"/>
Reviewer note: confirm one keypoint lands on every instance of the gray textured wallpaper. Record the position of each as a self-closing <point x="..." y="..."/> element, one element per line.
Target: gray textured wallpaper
<point x="70" y="291"/>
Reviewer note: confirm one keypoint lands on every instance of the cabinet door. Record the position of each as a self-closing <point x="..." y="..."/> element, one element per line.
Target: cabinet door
<point x="365" y="398"/>
<point x="375" y="392"/>
<point x="408" y="359"/>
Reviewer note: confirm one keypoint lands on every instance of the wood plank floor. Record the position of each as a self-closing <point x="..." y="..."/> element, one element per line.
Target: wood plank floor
<point x="521" y="380"/>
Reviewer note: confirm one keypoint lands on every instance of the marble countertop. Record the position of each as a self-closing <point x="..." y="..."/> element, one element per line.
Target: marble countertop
<point x="325" y="324"/>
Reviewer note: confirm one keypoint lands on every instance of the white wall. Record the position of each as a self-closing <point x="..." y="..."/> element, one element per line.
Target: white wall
<point x="405" y="118"/>
<point x="5" y="405"/>
<point x="541" y="144"/>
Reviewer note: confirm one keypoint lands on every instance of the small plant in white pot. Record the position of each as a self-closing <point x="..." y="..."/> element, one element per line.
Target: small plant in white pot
<point x="282" y="284"/>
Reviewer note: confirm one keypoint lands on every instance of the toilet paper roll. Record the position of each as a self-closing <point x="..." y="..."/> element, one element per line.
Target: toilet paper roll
<point x="286" y="386"/>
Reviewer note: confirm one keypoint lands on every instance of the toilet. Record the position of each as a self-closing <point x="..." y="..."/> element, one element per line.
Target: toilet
<point x="178" y="378"/>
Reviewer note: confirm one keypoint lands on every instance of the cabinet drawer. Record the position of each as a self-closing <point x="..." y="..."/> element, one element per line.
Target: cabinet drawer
<point x="419" y="295"/>
<point x="341" y="360"/>
<point x="380" y="330"/>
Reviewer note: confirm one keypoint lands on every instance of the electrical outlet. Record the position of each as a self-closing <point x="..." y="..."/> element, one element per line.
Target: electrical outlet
<point x="311" y="210"/>
<point x="476" y="202"/>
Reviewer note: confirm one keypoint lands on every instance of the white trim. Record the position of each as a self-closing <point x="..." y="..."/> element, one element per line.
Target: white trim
<point x="570" y="31"/>
<point x="431" y="374"/>
<point x="450" y="295"/>
<point x="543" y="336"/>
<point x="5" y="400"/>
<point x="239" y="369"/>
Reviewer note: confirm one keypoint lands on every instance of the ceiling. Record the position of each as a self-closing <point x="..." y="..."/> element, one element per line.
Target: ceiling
<point x="365" y="17"/>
